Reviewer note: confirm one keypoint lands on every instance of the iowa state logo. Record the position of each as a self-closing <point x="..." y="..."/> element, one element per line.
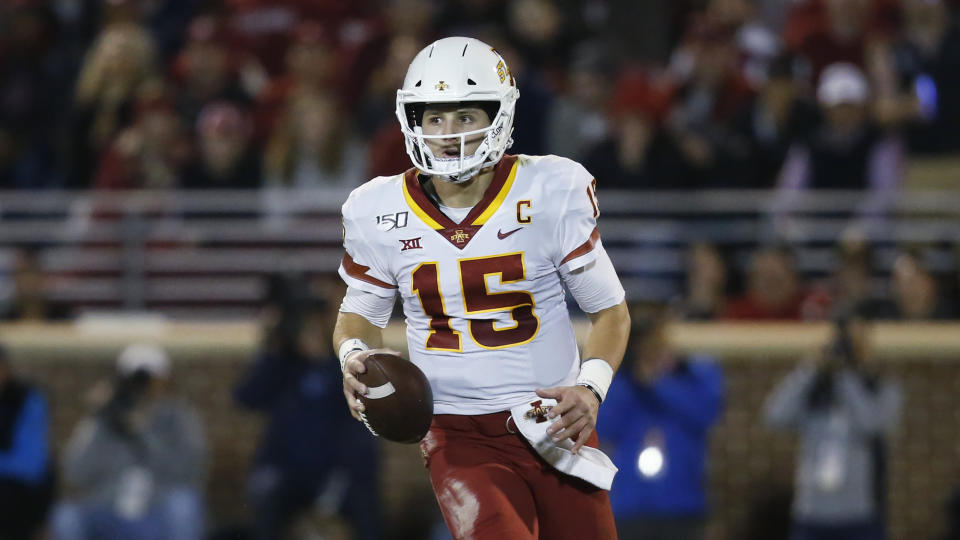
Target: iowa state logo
<point x="459" y="236"/>
<point x="539" y="411"/>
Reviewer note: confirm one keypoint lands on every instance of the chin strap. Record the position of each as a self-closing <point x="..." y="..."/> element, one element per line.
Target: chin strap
<point x="469" y="175"/>
<point x="461" y="178"/>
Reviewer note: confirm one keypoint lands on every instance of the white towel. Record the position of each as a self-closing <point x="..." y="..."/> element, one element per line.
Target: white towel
<point x="588" y="463"/>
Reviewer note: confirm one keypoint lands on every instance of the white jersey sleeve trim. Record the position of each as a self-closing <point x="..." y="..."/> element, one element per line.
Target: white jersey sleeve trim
<point x="595" y="287"/>
<point x="372" y="307"/>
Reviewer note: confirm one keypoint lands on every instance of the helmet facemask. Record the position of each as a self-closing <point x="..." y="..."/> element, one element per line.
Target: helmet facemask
<point x="496" y="139"/>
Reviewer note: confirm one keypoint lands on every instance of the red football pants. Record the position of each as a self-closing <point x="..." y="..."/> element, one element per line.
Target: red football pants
<point x="491" y="484"/>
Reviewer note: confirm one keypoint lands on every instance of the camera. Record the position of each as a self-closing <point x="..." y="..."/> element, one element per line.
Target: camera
<point x="842" y="350"/>
<point x="128" y="390"/>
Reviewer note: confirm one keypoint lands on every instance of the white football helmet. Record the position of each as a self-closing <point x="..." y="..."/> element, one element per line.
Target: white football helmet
<point x="452" y="70"/>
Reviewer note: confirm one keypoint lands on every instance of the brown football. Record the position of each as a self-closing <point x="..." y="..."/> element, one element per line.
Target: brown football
<point x="399" y="403"/>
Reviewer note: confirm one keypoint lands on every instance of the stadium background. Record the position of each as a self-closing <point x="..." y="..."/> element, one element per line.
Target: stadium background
<point x="160" y="160"/>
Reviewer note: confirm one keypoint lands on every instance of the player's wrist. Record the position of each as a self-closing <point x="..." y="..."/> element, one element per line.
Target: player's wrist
<point x="348" y="348"/>
<point x="596" y="374"/>
<point x="592" y="391"/>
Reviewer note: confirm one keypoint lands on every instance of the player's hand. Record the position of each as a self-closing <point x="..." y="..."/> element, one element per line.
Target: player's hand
<point x="577" y="408"/>
<point x="353" y="388"/>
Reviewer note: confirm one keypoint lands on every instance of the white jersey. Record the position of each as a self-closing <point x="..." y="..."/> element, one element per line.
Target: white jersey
<point x="484" y="303"/>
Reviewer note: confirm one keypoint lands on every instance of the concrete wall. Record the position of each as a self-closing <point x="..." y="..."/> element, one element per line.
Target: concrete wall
<point x="750" y="469"/>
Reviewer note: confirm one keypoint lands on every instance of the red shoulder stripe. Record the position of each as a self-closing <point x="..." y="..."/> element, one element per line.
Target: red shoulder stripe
<point x="359" y="271"/>
<point x="584" y="248"/>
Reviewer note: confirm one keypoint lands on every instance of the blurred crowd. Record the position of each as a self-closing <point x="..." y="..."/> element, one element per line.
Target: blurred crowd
<point x="677" y="95"/>
<point x="656" y="94"/>
<point x="694" y="94"/>
<point x="772" y="286"/>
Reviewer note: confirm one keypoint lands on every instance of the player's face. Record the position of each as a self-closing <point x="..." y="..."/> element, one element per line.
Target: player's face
<point x="451" y="119"/>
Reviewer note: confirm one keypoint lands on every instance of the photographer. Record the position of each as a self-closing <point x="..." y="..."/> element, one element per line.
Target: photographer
<point x="134" y="468"/>
<point x="844" y="412"/>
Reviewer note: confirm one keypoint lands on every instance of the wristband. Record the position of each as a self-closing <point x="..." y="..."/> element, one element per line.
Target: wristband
<point x="596" y="374"/>
<point x="349" y="346"/>
<point x="595" y="393"/>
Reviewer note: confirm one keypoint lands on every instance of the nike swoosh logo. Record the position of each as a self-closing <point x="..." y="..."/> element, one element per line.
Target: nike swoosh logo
<point x="501" y="235"/>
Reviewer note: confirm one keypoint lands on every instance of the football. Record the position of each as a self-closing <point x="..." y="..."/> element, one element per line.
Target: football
<point x="399" y="403"/>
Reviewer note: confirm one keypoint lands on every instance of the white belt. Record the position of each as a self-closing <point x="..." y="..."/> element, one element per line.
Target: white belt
<point x="588" y="463"/>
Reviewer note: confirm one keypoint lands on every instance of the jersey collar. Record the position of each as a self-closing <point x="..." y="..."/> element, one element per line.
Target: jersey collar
<point x="460" y="234"/>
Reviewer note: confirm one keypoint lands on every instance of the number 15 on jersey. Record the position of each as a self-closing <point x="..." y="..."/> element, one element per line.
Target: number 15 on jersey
<point x="478" y="299"/>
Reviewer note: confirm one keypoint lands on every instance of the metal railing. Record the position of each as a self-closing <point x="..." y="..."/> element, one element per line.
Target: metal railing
<point x="205" y="253"/>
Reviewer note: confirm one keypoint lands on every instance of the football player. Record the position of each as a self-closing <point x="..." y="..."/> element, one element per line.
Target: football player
<point x="479" y="245"/>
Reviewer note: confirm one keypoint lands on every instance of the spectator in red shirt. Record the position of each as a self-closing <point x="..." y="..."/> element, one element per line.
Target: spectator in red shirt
<point x="773" y="290"/>
<point x="840" y="38"/>
<point x="151" y="153"/>
<point x="829" y="31"/>
<point x="637" y="154"/>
